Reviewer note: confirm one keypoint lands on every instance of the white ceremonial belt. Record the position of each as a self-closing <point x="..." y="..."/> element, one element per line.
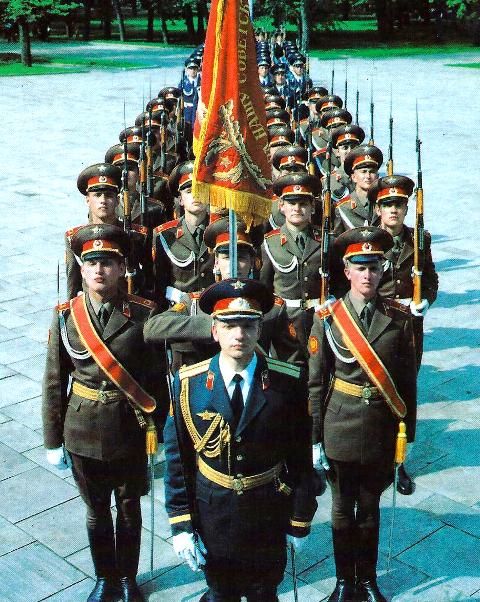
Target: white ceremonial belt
<point x="174" y="295"/>
<point x="303" y="303"/>
<point x="188" y="104"/>
<point x="404" y="301"/>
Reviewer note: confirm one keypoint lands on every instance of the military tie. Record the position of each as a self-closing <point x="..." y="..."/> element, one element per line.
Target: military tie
<point x="237" y="399"/>
<point x="396" y="249"/>
<point x="103" y="316"/>
<point x="301" y="241"/>
<point x="366" y="317"/>
<point x="198" y="236"/>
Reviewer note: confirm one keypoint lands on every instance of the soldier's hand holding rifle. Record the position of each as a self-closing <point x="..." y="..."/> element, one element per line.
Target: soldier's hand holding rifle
<point x="59" y="457"/>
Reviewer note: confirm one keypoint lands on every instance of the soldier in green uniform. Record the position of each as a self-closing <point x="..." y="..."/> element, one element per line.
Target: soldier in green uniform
<point x="188" y="329"/>
<point x="182" y="262"/>
<point x="344" y="139"/>
<point x="355" y="210"/>
<point x="101" y="420"/>
<point x="291" y="255"/>
<point x="362" y="382"/>
<point x="390" y="195"/>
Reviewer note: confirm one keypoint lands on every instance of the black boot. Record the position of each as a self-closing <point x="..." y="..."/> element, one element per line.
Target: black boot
<point x="367" y="590"/>
<point x="104" y="591"/>
<point x="130" y="590"/>
<point x="344" y="591"/>
<point x="405" y="485"/>
<point x="102" y="549"/>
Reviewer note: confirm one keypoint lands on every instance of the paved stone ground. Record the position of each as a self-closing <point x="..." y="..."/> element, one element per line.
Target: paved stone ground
<point x="57" y="125"/>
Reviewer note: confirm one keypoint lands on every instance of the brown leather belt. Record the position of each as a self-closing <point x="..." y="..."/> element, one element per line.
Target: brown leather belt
<point x="366" y="391"/>
<point x="96" y="394"/>
<point x="239" y="484"/>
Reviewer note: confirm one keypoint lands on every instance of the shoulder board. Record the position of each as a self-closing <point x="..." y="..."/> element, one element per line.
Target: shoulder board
<point x="194" y="295"/>
<point x="178" y="307"/>
<point x="167" y="225"/>
<point x="346" y="199"/>
<point x="272" y="233"/>
<point x="283" y="367"/>
<point x="396" y="305"/>
<point x="141" y="301"/>
<point x="323" y="312"/>
<point x="72" y="231"/>
<point x="279" y="300"/>
<point x="140" y="229"/>
<point x="188" y="371"/>
<point x="63" y="306"/>
<point x="304" y="121"/>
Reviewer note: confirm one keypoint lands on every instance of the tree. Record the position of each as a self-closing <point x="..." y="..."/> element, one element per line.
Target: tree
<point x="28" y="12"/>
<point x="466" y="11"/>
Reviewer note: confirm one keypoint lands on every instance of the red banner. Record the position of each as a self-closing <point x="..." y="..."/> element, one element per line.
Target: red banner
<point x="232" y="166"/>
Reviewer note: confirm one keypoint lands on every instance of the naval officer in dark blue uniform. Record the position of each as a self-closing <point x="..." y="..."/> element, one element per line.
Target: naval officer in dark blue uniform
<point x="237" y="443"/>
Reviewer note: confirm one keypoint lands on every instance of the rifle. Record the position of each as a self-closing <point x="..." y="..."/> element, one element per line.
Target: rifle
<point x="180" y="143"/>
<point x="333" y="77"/>
<point x="419" y="232"/>
<point x="308" y="140"/>
<point x="390" y="145"/>
<point x="295" y="127"/>
<point x="346" y="84"/>
<point x="127" y="212"/>
<point x="372" y="108"/>
<point x="356" y="103"/>
<point x="142" y="172"/>
<point x="326" y="228"/>
<point x="149" y="153"/>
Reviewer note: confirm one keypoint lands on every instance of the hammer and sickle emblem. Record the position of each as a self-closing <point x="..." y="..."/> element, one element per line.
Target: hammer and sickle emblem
<point x="366" y="246"/>
<point x="98" y="244"/>
<point x="297" y="188"/>
<point x="102" y="179"/>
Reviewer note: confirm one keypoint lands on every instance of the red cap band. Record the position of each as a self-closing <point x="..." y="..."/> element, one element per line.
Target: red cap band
<point x="101" y="180"/>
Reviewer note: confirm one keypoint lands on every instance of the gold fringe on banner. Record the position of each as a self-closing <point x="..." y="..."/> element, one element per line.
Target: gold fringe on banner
<point x="252" y="208"/>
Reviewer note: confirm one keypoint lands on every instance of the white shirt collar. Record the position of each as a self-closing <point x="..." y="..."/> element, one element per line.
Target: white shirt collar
<point x="247" y="375"/>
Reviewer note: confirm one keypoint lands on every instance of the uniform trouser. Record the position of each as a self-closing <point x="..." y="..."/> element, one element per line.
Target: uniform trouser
<point x="113" y="554"/>
<point x="356" y="490"/>
<point x="228" y="580"/>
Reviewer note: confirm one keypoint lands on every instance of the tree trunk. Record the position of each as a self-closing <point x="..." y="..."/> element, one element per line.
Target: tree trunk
<point x="87" y="15"/>
<point x="202" y="16"/>
<point x="383" y="11"/>
<point x="150" y="18"/>
<point x="107" y="19"/>
<point x="304" y="26"/>
<point x="163" y="23"/>
<point x="26" y="49"/>
<point x="121" y="22"/>
<point x="476" y="26"/>
<point x="188" y="16"/>
<point x="133" y="8"/>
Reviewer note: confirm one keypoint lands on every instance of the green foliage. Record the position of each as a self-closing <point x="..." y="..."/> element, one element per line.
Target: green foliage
<point x="464" y="9"/>
<point x="33" y="10"/>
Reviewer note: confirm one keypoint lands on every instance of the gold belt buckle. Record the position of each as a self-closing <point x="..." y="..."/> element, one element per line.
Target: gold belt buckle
<point x="238" y="486"/>
<point x="366" y="392"/>
<point x="102" y="396"/>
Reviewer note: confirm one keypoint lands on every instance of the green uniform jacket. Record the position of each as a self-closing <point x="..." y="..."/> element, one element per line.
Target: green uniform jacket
<point x="103" y="431"/>
<point x="178" y="262"/>
<point x="291" y="274"/>
<point x="350" y="429"/>
<point x="351" y="213"/>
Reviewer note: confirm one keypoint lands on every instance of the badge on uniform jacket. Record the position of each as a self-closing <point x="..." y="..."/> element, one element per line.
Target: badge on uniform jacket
<point x="210" y="379"/>
<point x="312" y="345"/>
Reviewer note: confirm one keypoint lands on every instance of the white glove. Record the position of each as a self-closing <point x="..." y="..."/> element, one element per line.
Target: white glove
<point x="59" y="457"/>
<point x="191" y="551"/>
<point x="328" y="301"/>
<point x="298" y="543"/>
<point x="319" y="457"/>
<point x="419" y="310"/>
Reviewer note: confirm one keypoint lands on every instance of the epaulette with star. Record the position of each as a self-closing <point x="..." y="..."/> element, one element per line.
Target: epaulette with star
<point x="278" y="300"/>
<point x="141" y="301"/>
<point x="140" y="229"/>
<point x="272" y="233"/>
<point x="322" y="312"/>
<point x="193" y="370"/>
<point x="63" y="306"/>
<point x="283" y="367"/>
<point x="346" y="199"/>
<point x="71" y="232"/>
<point x="166" y="226"/>
<point x="179" y="307"/>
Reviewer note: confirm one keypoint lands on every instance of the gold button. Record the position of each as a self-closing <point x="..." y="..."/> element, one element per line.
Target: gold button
<point x="398" y="281"/>
<point x="238" y="439"/>
<point x="202" y="274"/>
<point x="306" y="278"/>
<point x="397" y="296"/>
<point x="239" y="457"/>
<point x="202" y="259"/>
